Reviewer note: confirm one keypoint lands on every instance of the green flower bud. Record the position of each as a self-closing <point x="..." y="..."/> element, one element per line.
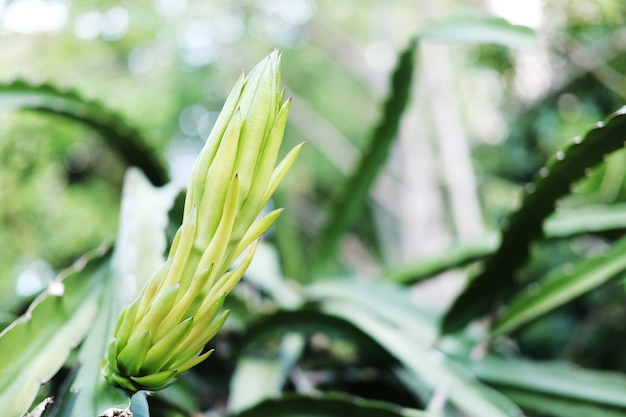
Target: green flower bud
<point x="163" y="332"/>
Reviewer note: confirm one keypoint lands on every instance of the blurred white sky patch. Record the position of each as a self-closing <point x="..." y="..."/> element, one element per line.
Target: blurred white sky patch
<point x="88" y="25"/>
<point x="198" y="43"/>
<point x="284" y="21"/>
<point x="32" y="16"/>
<point x="170" y="8"/>
<point x="527" y="12"/>
<point x="33" y="278"/>
<point x="115" y="23"/>
<point x="111" y="25"/>
<point x="380" y="55"/>
<point x="533" y="75"/>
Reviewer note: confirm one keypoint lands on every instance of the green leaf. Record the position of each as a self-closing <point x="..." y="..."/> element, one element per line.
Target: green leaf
<point x="245" y="390"/>
<point x="563" y="223"/>
<point x="264" y="273"/>
<point x="559" y="407"/>
<point x="123" y="138"/>
<point x="480" y="29"/>
<point x="590" y="219"/>
<point x="138" y="254"/>
<point x="348" y="205"/>
<point x="141" y="241"/>
<point x="388" y="315"/>
<point x="40" y="408"/>
<point x="289" y="243"/>
<point x="432" y="367"/>
<point x="327" y="405"/>
<point x="184" y="395"/>
<point x="381" y="319"/>
<point x="288" y="327"/>
<point x="36" y="345"/>
<point x="497" y="280"/>
<point x="89" y="393"/>
<point x="559" y="380"/>
<point x="455" y="256"/>
<point x="562" y="287"/>
<point x="245" y="387"/>
<point x="305" y="320"/>
<point x="382" y="300"/>
<point x="6" y="318"/>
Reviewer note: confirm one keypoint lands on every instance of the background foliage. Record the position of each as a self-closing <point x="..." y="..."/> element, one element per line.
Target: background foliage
<point x="440" y="152"/>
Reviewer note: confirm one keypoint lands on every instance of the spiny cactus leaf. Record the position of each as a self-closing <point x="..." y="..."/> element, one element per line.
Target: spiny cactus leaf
<point x="497" y="280"/>
<point x="123" y="138"/>
<point x="558" y="289"/>
<point x="35" y="346"/>
<point x="349" y="203"/>
<point x="327" y="405"/>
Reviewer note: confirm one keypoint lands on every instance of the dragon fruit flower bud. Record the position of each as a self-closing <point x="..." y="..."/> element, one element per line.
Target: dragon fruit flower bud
<point x="163" y="332"/>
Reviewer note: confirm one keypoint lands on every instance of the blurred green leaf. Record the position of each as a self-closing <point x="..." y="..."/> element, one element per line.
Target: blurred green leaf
<point x="141" y="242"/>
<point x="480" y="29"/>
<point x="562" y="287"/>
<point x="36" y="345"/>
<point x="558" y="406"/>
<point x="289" y="244"/>
<point x="327" y="405"/>
<point x="497" y="280"/>
<point x="563" y="223"/>
<point x="6" y="319"/>
<point x="304" y="320"/>
<point x="389" y="316"/>
<point x="184" y="394"/>
<point x="245" y="390"/>
<point x="138" y="254"/>
<point x="345" y="209"/>
<point x="559" y="380"/>
<point x="455" y="256"/>
<point x="264" y="273"/>
<point x="40" y="408"/>
<point x="590" y="219"/>
<point x="429" y="365"/>
<point x="123" y="138"/>
<point x="287" y="327"/>
<point x="383" y="300"/>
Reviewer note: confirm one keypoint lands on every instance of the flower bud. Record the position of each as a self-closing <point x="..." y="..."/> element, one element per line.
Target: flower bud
<point x="163" y="332"/>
